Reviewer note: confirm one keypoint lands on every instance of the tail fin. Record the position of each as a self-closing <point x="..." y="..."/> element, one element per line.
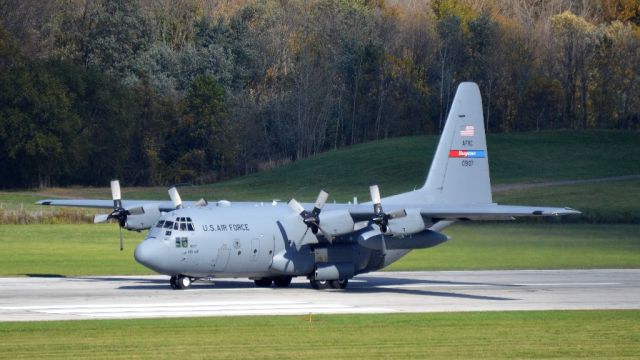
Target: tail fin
<point x="459" y="173"/>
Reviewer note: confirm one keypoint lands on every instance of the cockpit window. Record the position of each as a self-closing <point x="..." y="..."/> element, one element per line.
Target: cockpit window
<point x="183" y="224"/>
<point x="160" y="224"/>
<point x="168" y="224"/>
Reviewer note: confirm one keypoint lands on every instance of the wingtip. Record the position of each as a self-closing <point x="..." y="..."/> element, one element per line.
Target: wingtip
<point x="571" y="211"/>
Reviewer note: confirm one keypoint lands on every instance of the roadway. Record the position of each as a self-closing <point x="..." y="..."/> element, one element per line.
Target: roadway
<point x="108" y="297"/>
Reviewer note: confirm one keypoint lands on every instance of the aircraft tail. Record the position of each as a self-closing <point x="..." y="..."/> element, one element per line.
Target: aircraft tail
<point x="459" y="172"/>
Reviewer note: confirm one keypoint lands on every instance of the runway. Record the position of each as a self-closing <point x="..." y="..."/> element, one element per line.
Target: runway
<point x="108" y="297"/>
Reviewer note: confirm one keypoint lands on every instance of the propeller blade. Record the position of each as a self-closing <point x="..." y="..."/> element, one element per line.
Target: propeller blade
<point x="138" y="210"/>
<point x="175" y="197"/>
<point x="396" y="214"/>
<point x="321" y="200"/>
<point x="202" y="202"/>
<point x="384" y="246"/>
<point x="326" y="234"/>
<point x="375" y="194"/>
<point x="116" y="195"/>
<point x="295" y="206"/>
<point x="121" y="239"/>
<point x="100" y="218"/>
<point x="299" y="242"/>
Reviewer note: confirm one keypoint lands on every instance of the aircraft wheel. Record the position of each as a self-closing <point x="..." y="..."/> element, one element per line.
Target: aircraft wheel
<point x="183" y="282"/>
<point x="265" y="282"/>
<point x="173" y="283"/>
<point x="319" y="284"/>
<point x="282" y="281"/>
<point x="339" y="284"/>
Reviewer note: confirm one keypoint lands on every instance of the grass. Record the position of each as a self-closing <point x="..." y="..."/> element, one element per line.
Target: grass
<point x="65" y="249"/>
<point x="530" y="246"/>
<point x="604" y="202"/>
<point x="401" y="164"/>
<point x="93" y="249"/>
<point x="490" y="335"/>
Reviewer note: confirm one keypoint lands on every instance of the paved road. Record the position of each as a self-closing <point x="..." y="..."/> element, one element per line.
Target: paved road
<point x="57" y="298"/>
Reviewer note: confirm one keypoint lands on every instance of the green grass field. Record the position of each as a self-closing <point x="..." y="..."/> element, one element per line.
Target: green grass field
<point x="93" y="249"/>
<point x="530" y="246"/>
<point x="489" y="335"/>
<point x="603" y="202"/>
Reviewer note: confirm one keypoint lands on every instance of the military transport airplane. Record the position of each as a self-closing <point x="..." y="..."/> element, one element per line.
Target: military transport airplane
<point x="327" y="243"/>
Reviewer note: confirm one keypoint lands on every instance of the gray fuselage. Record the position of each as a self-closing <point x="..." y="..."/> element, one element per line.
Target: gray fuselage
<point x="211" y="242"/>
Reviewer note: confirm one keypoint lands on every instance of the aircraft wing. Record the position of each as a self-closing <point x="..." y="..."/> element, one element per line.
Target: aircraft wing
<point x="469" y="212"/>
<point x="491" y="211"/>
<point x="108" y="204"/>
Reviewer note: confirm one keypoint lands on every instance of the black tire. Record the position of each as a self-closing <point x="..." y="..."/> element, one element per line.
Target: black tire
<point x="183" y="282"/>
<point x="319" y="284"/>
<point x="339" y="284"/>
<point x="266" y="282"/>
<point x="282" y="281"/>
<point x="173" y="283"/>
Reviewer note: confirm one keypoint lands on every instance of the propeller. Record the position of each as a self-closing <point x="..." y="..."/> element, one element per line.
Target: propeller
<point x="381" y="218"/>
<point x="119" y="213"/>
<point x="175" y="198"/>
<point x="312" y="218"/>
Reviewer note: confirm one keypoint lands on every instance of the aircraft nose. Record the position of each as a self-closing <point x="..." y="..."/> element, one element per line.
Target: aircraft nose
<point x="152" y="253"/>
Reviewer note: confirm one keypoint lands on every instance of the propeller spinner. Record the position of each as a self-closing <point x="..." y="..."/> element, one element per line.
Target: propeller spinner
<point x="381" y="218"/>
<point x="119" y="213"/>
<point x="312" y="218"/>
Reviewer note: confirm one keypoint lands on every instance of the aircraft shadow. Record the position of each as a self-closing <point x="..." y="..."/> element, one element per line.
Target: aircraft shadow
<point x="371" y="290"/>
<point x="373" y="281"/>
<point x="45" y="275"/>
<point x="370" y="285"/>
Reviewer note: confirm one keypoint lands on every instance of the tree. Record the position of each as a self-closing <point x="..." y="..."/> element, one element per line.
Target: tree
<point x="575" y="41"/>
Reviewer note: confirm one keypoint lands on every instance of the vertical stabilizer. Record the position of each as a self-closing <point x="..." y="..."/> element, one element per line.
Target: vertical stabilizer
<point x="459" y="173"/>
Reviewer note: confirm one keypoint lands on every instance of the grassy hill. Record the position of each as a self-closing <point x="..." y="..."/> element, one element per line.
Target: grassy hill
<point x="401" y="164"/>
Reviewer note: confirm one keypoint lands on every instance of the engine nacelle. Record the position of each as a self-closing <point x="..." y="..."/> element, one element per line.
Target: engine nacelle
<point x="336" y="222"/>
<point x="372" y="239"/>
<point x="144" y="221"/>
<point x="410" y="224"/>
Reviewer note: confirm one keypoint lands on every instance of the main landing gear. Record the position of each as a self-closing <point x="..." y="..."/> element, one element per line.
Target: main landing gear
<point x="280" y="281"/>
<point x="328" y="284"/>
<point x="180" y="282"/>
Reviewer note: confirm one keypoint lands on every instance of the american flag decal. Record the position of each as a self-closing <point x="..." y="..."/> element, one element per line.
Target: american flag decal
<point x="468" y="130"/>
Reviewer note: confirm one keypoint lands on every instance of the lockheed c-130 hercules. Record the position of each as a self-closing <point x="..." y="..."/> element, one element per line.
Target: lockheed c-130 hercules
<point x="328" y="243"/>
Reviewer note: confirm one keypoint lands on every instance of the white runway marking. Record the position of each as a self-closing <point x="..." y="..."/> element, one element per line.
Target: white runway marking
<point x="194" y="309"/>
<point x="78" y="298"/>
